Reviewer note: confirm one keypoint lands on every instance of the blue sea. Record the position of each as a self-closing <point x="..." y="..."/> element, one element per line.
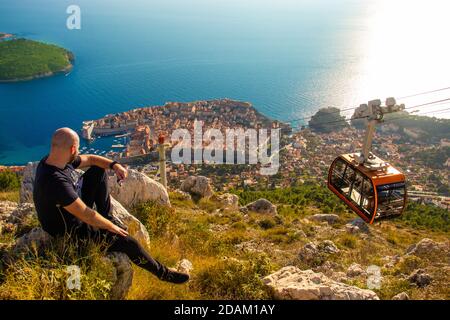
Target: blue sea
<point x="287" y="57"/>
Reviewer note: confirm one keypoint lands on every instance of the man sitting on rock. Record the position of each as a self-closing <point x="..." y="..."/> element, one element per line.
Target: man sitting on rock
<point x="65" y="207"/>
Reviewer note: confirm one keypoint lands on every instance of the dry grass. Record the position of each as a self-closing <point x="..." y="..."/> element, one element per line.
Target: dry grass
<point x="208" y="235"/>
<point x="9" y="196"/>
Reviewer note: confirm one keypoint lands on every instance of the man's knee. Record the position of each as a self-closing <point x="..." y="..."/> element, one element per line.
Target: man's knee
<point x="96" y="173"/>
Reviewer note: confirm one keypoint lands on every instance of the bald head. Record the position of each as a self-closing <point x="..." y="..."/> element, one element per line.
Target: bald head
<point x="64" y="139"/>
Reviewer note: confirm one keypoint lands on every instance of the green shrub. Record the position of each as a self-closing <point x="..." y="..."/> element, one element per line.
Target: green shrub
<point x="156" y="217"/>
<point x="239" y="225"/>
<point x="233" y="279"/>
<point x="9" y="181"/>
<point x="267" y="223"/>
<point x="407" y="265"/>
<point x="349" y="241"/>
<point x="427" y="216"/>
<point x="308" y="194"/>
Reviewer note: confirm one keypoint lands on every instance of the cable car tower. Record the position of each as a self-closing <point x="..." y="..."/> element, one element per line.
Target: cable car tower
<point x="370" y="186"/>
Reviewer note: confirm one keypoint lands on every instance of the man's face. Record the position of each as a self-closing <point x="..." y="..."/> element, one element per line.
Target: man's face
<point x="74" y="151"/>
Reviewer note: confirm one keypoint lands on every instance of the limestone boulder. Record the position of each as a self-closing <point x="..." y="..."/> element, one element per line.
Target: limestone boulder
<point x="355" y="270"/>
<point x="292" y="283"/>
<point x="229" y="200"/>
<point x="134" y="227"/>
<point x="263" y="206"/>
<point x="184" y="266"/>
<point x="401" y="296"/>
<point x="197" y="186"/>
<point x="137" y="188"/>
<point x="427" y="247"/>
<point x="26" y="188"/>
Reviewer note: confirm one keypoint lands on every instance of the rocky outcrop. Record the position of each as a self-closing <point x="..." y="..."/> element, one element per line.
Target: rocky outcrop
<point x="322" y="217"/>
<point x="328" y="247"/>
<point x="263" y="206"/>
<point x="291" y="283"/>
<point x="16" y="217"/>
<point x="312" y="252"/>
<point x="401" y="296"/>
<point x="6" y="209"/>
<point x="356" y="226"/>
<point x="420" y="278"/>
<point x="137" y="188"/>
<point x="427" y="247"/>
<point x="184" y="266"/>
<point x="198" y="187"/>
<point x="122" y="276"/>
<point x="26" y="188"/>
<point x="355" y="270"/>
<point x="229" y="201"/>
<point x="34" y="241"/>
<point x="134" y="227"/>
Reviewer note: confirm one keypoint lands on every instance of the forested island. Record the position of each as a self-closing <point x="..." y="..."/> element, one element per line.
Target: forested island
<point x="23" y="59"/>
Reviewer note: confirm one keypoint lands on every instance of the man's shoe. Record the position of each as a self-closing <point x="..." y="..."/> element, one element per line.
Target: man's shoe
<point x="175" y="277"/>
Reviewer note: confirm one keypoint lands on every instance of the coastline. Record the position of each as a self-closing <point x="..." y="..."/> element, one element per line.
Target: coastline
<point x="5" y="36"/>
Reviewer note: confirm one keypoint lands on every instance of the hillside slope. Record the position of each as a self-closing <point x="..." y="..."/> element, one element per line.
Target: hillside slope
<point x="232" y="249"/>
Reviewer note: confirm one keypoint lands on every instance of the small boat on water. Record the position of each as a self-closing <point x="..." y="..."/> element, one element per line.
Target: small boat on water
<point x="117" y="146"/>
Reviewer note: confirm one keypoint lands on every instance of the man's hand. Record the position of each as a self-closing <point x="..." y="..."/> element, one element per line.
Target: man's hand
<point x="121" y="172"/>
<point x="117" y="230"/>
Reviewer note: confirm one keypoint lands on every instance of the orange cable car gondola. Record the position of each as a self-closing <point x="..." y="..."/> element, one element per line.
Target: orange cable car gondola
<point x="371" y="187"/>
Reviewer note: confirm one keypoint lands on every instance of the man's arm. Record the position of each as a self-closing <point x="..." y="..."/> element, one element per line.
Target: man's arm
<point x="80" y="210"/>
<point x="89" y="160"/>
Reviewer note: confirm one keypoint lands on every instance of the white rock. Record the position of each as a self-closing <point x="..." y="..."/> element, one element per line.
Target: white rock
<point x="134" y="227"/>
<point x="427" y="247"/>
<point x="197" y="186"/>
<point x="184" y="266"/>
<point x="229" y="200"/>
<point x="262" y="206"/>
<point x="309" y="251"/>
<point x="26" y="188"/>
<point x="350" y="228"/>
<point x="355" y="270"/>
<point x="291" y="283"/>
<point x="401" y="296"/>
<point x="137" y="188"/>
<point x="327" y="246"/>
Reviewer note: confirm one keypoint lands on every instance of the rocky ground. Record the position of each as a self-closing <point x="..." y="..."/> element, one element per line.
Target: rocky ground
<point x="234" y="250"/>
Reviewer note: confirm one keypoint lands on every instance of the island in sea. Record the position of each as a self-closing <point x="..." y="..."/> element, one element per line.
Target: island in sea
<point x="24" y="59"/>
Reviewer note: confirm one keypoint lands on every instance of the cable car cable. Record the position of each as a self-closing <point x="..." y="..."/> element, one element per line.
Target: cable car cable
<point x="423" y="93"/>
<point x="349" y="109"/>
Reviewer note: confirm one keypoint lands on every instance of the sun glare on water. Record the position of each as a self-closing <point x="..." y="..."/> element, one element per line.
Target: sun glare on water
<point x="407" y="51"/>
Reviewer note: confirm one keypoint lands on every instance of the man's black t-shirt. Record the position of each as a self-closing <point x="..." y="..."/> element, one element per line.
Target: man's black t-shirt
<point x="54" y="189"/>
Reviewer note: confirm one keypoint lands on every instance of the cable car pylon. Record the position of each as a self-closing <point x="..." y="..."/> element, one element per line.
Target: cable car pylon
<point x="370" y="186"/>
